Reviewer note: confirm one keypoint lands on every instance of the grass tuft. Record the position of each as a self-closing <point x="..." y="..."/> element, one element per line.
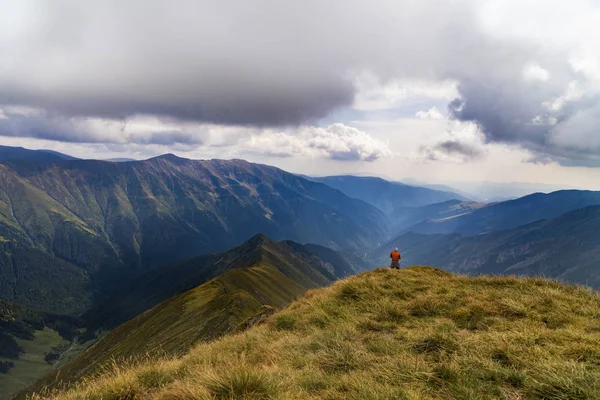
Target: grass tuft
<point x="242" y="384"/>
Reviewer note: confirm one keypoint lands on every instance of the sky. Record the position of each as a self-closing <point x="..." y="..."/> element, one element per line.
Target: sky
<point x="435" y="91"/>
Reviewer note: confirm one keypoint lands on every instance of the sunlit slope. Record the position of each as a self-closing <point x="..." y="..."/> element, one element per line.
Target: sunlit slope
<point x="418" y="333"/>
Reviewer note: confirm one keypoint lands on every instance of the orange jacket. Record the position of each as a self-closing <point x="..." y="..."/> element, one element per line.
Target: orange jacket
<point x="395" y="255"/>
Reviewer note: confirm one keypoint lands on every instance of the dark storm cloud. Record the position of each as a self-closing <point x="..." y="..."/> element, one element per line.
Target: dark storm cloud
<point x="452" y="150"/>
<point x="456" y="147"/>
<point x="233" y="62"/>
<point x="58" y="128"/>
<point x="43" y="127"/>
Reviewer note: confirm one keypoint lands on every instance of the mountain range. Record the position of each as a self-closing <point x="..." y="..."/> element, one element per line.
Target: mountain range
<point x="390" y="197"/>
<point x="566" y="247"/>
<point x="74" y="231"/>
<point x="510" y="214"/>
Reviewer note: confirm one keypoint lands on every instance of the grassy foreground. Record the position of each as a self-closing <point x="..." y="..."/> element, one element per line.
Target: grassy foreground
<point x="417" y="333"/>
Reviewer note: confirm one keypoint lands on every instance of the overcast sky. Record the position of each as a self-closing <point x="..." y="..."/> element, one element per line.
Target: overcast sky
<point x="496" y="90"/>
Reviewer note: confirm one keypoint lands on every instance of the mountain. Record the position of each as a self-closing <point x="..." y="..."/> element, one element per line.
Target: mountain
<point x="252" y="281"/>
<point x="72" y="232"/>
<point x="417" y="333"/>
<point x="512" y="213"/>
<point x="566" y="248"/>
<point x="20" y="153"/>
<point x="31" y="343"/>
<point x="385" y="195"/>
<point x="159" y="285"/>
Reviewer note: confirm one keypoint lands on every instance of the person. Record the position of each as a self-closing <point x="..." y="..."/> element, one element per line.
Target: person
<point x="396" y="257"/>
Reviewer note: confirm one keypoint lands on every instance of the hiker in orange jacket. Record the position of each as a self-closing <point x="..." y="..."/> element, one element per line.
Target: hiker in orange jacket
<point x="396" y="257"/>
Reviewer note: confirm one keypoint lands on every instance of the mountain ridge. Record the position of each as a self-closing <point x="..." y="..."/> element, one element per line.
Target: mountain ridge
<point x="265" y="275"/>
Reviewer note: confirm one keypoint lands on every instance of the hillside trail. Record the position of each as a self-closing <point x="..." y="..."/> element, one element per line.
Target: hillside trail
<point x="63" y="354"/>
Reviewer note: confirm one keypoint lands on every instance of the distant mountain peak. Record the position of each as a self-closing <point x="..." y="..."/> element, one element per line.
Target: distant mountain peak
<point x="258" y="240"/>
<point x="170" y="157"/>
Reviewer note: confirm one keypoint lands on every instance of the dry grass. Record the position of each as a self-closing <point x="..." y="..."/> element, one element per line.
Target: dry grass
<point x="416" y="333"/>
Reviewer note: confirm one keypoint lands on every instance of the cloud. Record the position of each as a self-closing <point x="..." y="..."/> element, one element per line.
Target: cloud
<point x="38" y="124"/>
<point x="258" y="63"/>
<point x="373" y="95"/>
<point x="337" y="142"/>
<point x="457" y="148"/>
<point x="274" y="64"/>
<point x="452" y="150"/>
<point x="535" y="73"/>
<point x="461" y="142"/>
<point x="432" y="113"/>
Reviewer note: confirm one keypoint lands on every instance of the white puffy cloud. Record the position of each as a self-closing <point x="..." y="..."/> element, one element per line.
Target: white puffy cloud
<point x="337" y="141"/>
<point x="432" y="113"/>
<point x="461" y="142"/>
<point x="534" y="73"/>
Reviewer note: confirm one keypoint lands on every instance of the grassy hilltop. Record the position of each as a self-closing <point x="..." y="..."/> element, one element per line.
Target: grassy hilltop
<point x="417" y="333"/>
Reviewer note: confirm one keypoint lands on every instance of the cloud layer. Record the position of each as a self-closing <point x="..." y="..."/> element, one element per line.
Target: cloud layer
<point x="278" y="64"/>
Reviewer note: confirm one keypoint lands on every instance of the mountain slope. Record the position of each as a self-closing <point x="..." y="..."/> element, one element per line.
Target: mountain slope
<point x="298" y="262"/>
<point x="418" y="333"/>
<point x="267" y="275"/>
<point x="566" y="248"/>
<point x="105" y="223"/>
<point x="387" y="196"/>
<point x="512" y="213"/>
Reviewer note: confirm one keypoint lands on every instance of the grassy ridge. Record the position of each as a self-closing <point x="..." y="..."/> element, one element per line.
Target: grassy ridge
<point x="417" y="333"/>
<point x="260" y="275"/>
